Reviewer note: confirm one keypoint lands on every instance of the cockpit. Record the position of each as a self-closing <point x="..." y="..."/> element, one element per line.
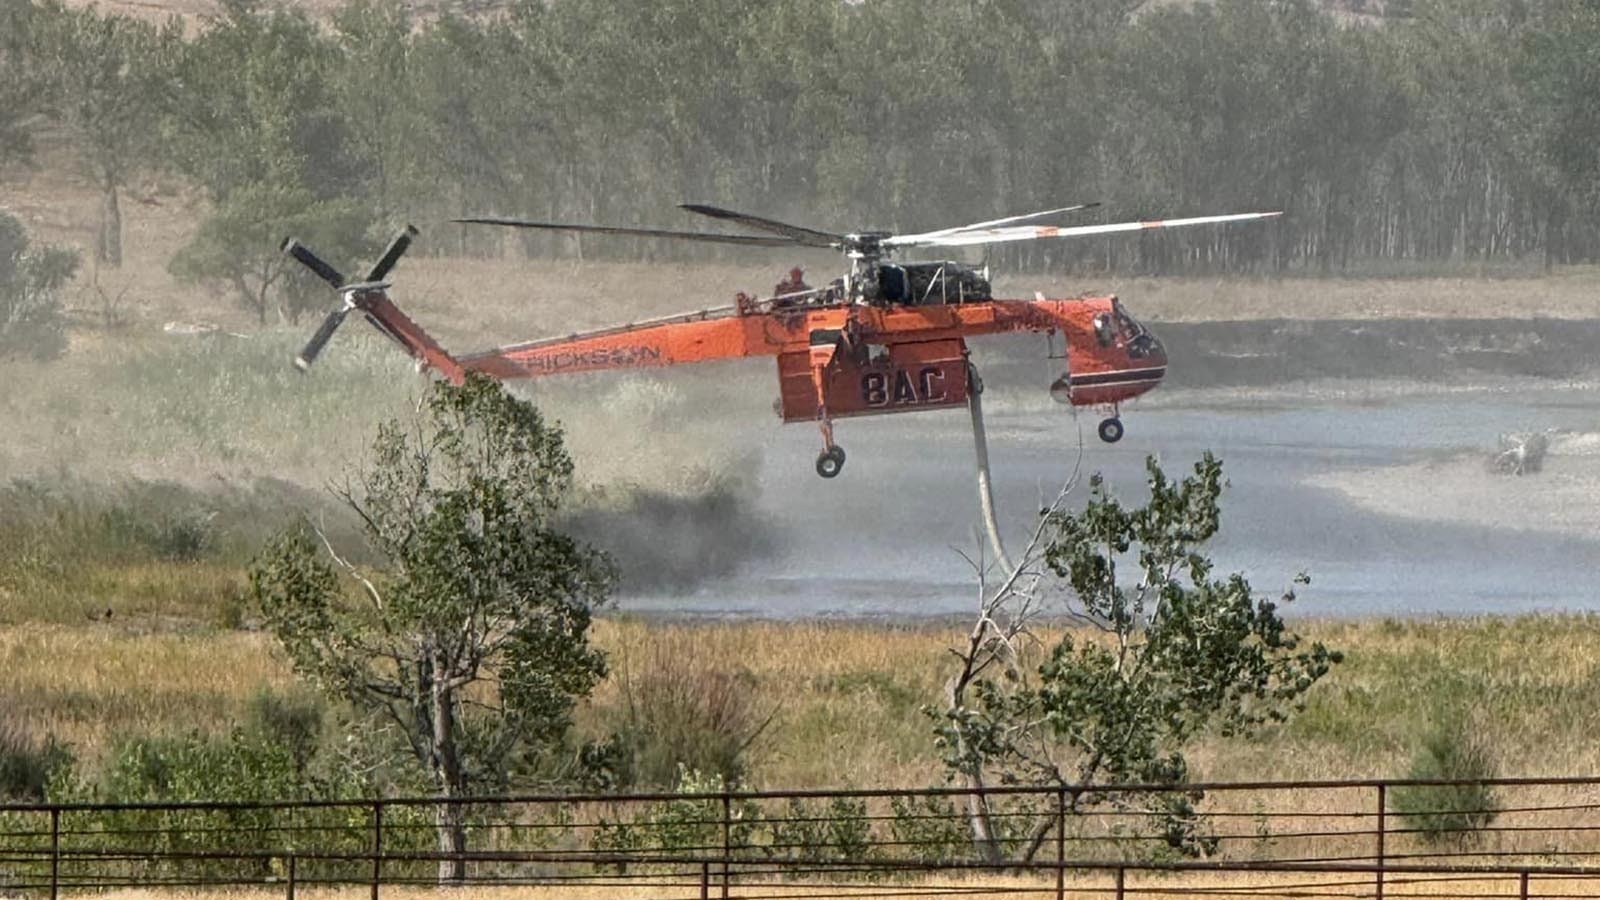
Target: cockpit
<point x="1117" y="328"/>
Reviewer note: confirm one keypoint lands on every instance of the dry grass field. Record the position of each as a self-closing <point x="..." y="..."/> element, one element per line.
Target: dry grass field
<point x="844" y="700"/>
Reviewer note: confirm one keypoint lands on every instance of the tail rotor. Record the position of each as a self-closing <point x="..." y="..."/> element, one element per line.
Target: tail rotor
<point x="349" y="293"/>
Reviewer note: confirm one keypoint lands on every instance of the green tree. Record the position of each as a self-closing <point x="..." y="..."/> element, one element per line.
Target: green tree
<point x="22" y="85"/>
<point x="1467" y="169"/>
<point x="1166" y="656"/>
<point x="1561" y="81"/>
<point x="31" y="323"/>
<point x="110" y="75"/>
<point x="472" y="636"/>
<point x="260" y="132"/>
<point x="480" y="93"/>
<point x="238" y="246"/>
<point x="375" y="93"/>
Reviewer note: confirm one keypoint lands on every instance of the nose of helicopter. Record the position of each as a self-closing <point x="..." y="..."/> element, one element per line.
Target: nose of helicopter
<point x="1156" y="355"/>
<point x="1147" y="357"/>
<point x="1134" y="368"/>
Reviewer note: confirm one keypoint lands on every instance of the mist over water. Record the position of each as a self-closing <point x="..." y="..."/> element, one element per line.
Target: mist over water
<point x="672" y="541"/>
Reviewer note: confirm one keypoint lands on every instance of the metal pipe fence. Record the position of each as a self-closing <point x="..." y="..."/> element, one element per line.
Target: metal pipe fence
<point x="1387" y="840"/>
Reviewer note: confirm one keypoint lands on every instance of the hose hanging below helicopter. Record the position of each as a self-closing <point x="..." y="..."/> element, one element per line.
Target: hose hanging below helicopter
<point x="980" y="444"/>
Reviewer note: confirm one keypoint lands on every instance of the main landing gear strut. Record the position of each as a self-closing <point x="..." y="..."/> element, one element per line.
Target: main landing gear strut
<point x="830" y="462"/>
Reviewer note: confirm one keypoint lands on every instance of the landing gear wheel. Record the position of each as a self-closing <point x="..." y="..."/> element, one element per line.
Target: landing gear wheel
<point x="830" y="461"/>
<point x="1111" y="430"/>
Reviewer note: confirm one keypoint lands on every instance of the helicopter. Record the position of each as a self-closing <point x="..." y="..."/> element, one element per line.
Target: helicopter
<point x="884" y="337"/>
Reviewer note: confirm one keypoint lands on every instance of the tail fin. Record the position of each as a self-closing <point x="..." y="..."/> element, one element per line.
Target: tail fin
<point x="371" y="297"/>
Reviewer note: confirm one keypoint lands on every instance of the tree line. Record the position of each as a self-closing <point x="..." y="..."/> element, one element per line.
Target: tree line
<point x="1462" y="130"/>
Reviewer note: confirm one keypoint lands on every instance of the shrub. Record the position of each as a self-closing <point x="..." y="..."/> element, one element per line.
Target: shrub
<point x="26" y="763"/>
<point x="239" y="766"/>
<point x="929" y="829"/>
<point x="838" y="831"/>
<point x="292" y="721"/>
<point x="31" y="320"/>
<point x="140" y="520"/>
<point x="679" y="712"/>
<point x="689" y="825"/>
<point x="1455" y="813"/>
<point x="254" y="762"/>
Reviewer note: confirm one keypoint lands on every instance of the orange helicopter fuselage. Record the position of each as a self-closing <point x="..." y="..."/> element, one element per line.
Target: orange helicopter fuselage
<point x="835" y="360"/>
<point x="880" y="359"/>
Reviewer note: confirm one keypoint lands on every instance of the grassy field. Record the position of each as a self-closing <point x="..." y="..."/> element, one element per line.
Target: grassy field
<point x="844" y="699"/>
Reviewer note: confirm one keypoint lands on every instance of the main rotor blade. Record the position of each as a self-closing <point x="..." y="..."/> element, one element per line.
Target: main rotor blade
<point x="799" y="234"/>
<point x="909" y="239"/>
<point x="397" y="248"/>
<point x="1032" y="232"/>
<point x="748" y="240"/>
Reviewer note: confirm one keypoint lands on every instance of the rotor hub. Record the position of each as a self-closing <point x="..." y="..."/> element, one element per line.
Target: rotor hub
<point x="866" y="245"/>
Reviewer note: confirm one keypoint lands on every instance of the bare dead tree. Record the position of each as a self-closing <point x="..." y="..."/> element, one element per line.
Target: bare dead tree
<point x="108" y="303"/>
<point x="1001" y="633"/>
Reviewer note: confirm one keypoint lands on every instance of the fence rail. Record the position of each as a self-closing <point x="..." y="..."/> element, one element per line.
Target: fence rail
<point x="1523" y="837"/>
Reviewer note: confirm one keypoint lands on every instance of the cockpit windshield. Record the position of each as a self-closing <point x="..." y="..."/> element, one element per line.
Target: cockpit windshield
<point x="1140" y="342"/>
<point x="1127" y="327"/>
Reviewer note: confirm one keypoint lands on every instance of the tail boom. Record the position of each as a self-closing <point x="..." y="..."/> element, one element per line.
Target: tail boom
<point x="695" y="337"/>
<point x="398" y="327"/>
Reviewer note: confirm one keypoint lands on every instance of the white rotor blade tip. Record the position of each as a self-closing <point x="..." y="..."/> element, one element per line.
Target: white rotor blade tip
<point x="1033" y="232"/>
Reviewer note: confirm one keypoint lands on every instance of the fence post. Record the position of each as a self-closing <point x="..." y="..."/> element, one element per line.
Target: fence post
<point x="1061" y="844"/>
<point x="291" y="876"/>
<point x="377" y="846"/>
<point x="55" y="852"/>
<point x="1522" y="887"/>
<point x="1122" y="881"/>
<point x="705" y="881"/>
<point x="1383" y="804"/>
<point x="727" y="841"/>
